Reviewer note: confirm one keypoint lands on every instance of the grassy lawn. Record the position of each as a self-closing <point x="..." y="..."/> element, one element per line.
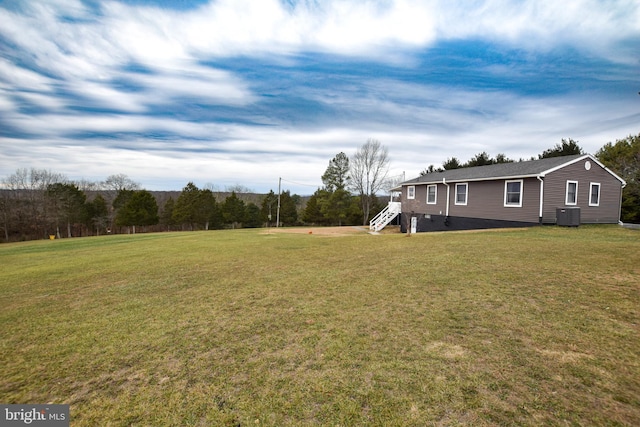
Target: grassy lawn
<point x="234" y="328"/>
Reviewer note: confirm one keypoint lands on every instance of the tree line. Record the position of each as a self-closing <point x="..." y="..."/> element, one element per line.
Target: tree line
<point x="36" y="204"/>
<point x="566" y="147"/>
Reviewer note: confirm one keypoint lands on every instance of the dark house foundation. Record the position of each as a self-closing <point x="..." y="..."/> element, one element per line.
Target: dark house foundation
<point x="426" y="222"/>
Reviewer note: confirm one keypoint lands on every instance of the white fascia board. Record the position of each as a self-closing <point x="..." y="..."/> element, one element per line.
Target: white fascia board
<point x="548" y="171"/>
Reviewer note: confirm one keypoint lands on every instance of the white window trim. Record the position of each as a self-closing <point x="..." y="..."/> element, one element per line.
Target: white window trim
<point x="435" y="201"/>
<point x="411" y="192"/>
<point x="566" y="196"/>
<point x="466" y="194"/>
<point x="594" y="184"/>
<point x="506" y="185"/>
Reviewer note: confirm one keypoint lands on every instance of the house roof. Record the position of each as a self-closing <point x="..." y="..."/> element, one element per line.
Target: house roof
<point x="531" y="168"/>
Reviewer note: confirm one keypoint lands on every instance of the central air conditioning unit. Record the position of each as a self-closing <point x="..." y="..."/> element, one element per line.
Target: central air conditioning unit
<point x="568" y="217"/>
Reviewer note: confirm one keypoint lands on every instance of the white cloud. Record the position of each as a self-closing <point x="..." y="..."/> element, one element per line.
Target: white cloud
<point x="57" y="44"/>
<point x="586" y="25"/>
<point x="14" y="77"/>
<point x="157" y="37"/>
<point x="47" y="101"/>
<point x="98" y="94"/>
<point x="6" y="104"/>
<point x="367" y="28"/>
<point x="230" y="27"/>
<point x="145" y="35"/>
<point x="193" y="81"/>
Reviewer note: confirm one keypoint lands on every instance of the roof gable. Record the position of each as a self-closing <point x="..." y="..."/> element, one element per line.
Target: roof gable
<point x="531" y="168"/>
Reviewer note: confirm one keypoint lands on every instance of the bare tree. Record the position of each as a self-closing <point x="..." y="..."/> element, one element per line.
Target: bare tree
<point x="24" y="201"/>
<point x="7" y="207"/>
<point x="369" y="169"/>
<point x="211" y="187"/>
<point x="238" y="189"/>
<point x="119" y="182"/>
<point x="87" y="186"/>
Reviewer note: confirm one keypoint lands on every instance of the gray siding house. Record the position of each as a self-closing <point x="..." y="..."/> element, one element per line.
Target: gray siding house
<point x="512" y="195"/>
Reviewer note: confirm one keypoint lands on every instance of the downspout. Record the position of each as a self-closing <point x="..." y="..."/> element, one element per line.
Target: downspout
<point x="541" y="179"/>
<point x="620" y="205"/>
<point x="446" y="209"/>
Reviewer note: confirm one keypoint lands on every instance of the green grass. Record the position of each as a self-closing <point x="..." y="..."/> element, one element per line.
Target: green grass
<point x="521" y="327"/>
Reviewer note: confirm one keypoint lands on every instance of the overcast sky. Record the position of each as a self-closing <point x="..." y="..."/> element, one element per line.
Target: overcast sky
<point x="242" y="92"/>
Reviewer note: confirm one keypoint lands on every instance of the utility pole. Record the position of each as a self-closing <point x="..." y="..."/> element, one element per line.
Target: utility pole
<point x="278" y="212"/>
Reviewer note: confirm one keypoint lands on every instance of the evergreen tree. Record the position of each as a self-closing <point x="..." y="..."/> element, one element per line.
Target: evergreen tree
<point x="354" y="214"/>
<point x="502" y="158"/>
<point x="288" y="208"/>
<point x="481" y="159"/>
<point x="623" y="158"/>
<point x="187" y="207"/>
<point x="166" y="217"/>
<point x="98" y="213"/>
<point x="430" y="169"/>
<point x="452" y="163"/>
<point x="336" y="176"/>
<point x="141" y="209"/>
<point x="208" y="210"/>
<point x="312" y="213"/>
<point x="335" y="206"/>
<point x="121" y="199"/>
<point x="567" y="147"/>
<point x="253" y="216"/>
<point x="334" y="203"/>
<point x="233" y="210"/>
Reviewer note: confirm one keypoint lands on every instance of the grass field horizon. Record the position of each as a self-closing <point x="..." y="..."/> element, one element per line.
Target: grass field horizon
<point x="535" y="326"/>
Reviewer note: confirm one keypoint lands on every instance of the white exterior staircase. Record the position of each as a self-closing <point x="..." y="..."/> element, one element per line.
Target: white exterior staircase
<point x="385" y="216"/>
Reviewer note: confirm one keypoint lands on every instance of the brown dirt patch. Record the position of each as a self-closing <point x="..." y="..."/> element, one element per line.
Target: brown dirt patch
<point x="320" y="231"/>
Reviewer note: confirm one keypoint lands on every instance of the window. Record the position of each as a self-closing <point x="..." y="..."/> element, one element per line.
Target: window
<point x="461" y="194"/>
<point x="411" y="192"/>
<point x="572" y="193"/>
<point x="513" y="193"/>
<point x="432" y="194"/>
<point x="594" y="194"/>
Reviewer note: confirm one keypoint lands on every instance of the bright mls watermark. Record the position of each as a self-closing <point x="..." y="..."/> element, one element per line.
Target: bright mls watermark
<point x="34" y="415"/>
